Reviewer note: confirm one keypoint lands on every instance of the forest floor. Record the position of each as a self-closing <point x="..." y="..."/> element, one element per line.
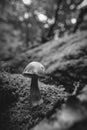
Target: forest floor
<point x="64" y="89"/>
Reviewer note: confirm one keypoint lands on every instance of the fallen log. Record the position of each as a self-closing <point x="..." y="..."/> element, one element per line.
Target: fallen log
<point x="20" y="114"/>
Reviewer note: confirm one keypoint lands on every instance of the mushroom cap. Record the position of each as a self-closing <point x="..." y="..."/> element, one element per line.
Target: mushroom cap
<point x="34" y="68"/>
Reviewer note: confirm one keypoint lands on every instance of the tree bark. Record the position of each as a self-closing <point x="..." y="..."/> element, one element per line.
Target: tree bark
<point x="50" y="33"/>
<point x="82" y="12"/>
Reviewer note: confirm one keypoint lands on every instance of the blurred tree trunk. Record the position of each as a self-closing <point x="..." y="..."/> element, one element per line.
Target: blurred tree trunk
<point x="27" y="39"/>
<point x="51" y="29"/>
<point x="82" y="12"/>
<point x="27" y="36"/>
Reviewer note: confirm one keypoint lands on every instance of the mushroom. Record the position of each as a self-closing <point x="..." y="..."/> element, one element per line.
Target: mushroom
<point x="34" y="70"/>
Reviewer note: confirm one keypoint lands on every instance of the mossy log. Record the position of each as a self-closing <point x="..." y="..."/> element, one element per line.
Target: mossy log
<point x="20" y="114"/>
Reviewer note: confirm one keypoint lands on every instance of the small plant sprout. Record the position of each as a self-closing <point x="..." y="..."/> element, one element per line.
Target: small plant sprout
<point x="34" y="70"/>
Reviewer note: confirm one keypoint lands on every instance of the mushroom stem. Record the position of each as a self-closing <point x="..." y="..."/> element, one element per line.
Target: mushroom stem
<point x="34" y="91"/>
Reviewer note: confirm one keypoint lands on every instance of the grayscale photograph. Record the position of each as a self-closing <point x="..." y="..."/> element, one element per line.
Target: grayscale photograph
<point x="43" y="64"/>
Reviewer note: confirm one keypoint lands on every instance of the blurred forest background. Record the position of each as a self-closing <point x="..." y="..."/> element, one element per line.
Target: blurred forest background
<point x="29" y="23"/>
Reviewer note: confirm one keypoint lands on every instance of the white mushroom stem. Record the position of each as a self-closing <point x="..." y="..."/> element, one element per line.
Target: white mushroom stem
<point x="34" y="91"/>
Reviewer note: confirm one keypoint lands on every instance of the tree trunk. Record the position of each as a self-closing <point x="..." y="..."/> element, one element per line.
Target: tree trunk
<point x="50" y="33"/>
<point x="82" y="12"/>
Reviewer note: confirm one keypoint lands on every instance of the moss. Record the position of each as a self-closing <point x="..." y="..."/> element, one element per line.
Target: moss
<point x="20" y="114"/>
